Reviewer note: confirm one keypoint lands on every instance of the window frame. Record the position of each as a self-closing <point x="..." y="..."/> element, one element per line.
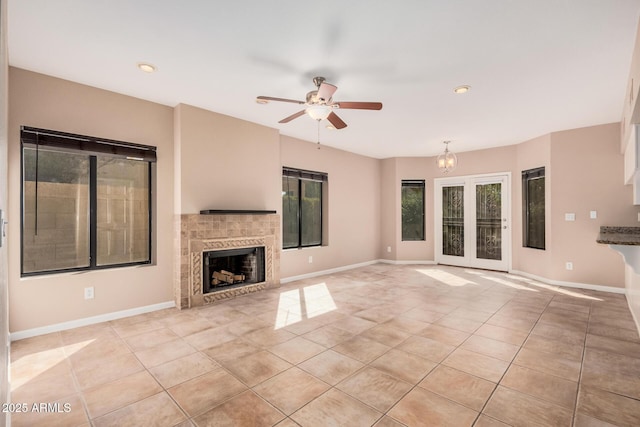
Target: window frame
<point x="93" y="148"/>
<point x="305" y="175"/>
<point x="410" y="183"/>
<point x="527" y="176"/>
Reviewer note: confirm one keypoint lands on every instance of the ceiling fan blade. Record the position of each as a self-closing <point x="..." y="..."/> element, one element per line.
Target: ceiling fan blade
<point x="336" y="121"/>
<point x="291" y="117"/>
<point x="271" y="98"/>
<point x="359" y="105"/>
<point x="326" y="91"/>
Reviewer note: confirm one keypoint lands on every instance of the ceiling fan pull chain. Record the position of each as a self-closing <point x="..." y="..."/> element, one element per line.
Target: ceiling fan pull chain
<point x="318" y="134"/>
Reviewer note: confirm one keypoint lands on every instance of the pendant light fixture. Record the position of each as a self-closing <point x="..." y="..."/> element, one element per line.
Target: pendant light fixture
<point x="447" y="161"/>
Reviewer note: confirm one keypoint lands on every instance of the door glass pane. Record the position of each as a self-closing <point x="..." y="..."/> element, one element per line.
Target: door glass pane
<point x="453" y="221"/>
<point x="56" y="215"/>
<point x="290" y="197"/>
<point x="311" y="213"/>
<point x="489" y="221"/>
<point x="122" y="211"/>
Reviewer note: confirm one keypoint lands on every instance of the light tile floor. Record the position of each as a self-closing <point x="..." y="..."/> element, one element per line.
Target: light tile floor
<point x="381" y="345"/>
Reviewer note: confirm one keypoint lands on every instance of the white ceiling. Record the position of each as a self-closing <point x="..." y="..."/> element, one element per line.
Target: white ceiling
<point x="535" y="66"/>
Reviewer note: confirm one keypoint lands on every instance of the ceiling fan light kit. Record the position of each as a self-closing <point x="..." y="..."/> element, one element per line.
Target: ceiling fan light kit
<point x="320" y="104"/>
<point x="318" y="112"/>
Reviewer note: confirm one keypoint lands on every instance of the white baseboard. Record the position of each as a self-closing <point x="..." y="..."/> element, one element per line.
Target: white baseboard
<point x="589" y="286"/>
<point x="329" y="271"/>
<point x="14" y="336"/>
<point x="351" y="267"/>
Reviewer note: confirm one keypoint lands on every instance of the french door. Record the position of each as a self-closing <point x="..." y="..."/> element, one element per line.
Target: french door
<point x="472" y="221"/>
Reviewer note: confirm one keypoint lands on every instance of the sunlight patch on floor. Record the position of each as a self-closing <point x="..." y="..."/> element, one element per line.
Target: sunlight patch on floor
<point x="558" y="289"/>
<point x="299" y="304"/>
<point x="318" y="300"/>
<point x="446" y="277"/>
<point x="475" y="272"/>
<point x="509" y="284"/>
<point x="29" y="367"/>
<point x="289" y="309"/>
<point x="564" y="291"/>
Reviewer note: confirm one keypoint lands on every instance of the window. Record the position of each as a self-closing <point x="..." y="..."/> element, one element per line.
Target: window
<point x="302" y="207"/>
<point x="413" y="209"/>
<point x="533" y="208"/>
<point x="86" y="202"/>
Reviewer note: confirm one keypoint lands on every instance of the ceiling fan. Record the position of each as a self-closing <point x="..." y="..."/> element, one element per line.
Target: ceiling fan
<point x="320" y="104"/>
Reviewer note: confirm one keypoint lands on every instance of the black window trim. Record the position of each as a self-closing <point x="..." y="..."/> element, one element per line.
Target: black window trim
<point x="93" y="147"/>
<point x="306" y="175"/>
<point x="528" y="175"/>
<point x="420" y="183"/>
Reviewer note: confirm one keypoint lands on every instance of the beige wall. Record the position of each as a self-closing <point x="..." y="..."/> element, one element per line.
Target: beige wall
<point x="353" y="207"/>
<point x="226" y="163"/>
<point x="4" y="166"/>
<point x="388" y="209"/>
<point x="532" y="154"/>
<point x="46" y="102"/>
<point x="587" y="172"/>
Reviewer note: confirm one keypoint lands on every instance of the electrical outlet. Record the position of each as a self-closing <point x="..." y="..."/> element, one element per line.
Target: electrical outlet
<point x="569" y="266"/>
<point x="389" y="249"/>
<point x="310" y="259"/>
<point x="593" y="214"/>
<point x="88" y="293"/>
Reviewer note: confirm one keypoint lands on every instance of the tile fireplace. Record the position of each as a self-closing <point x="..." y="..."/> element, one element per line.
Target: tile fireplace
<point x="232" y="244"/>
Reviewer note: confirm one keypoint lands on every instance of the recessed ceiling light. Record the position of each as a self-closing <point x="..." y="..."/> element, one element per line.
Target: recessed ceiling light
<point x="462" y="89"/>
<point x="262" y="101"/>
<point x="147" y="68"/>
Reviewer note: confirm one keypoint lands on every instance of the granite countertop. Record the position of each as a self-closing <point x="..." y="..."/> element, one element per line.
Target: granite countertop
<point x="619" y="235"/>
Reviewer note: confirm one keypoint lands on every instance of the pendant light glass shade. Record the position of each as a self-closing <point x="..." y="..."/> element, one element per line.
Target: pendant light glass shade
<point x="447" y="161"/>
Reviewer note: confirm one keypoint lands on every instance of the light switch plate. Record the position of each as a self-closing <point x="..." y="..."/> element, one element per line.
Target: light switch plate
<point x="569" y="217"/>
<point x="593" y="214"/>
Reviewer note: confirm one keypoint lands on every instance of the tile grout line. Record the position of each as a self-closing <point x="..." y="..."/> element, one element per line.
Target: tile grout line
<point x="511" y="363"/>
<point x="584" y="352"/>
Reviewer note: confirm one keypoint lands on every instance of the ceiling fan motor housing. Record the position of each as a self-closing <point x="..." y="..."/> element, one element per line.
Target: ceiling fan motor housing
<point x="312" y="98"/>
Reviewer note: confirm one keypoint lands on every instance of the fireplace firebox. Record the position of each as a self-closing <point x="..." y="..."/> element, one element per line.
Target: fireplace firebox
<point x="228" y="268"/>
